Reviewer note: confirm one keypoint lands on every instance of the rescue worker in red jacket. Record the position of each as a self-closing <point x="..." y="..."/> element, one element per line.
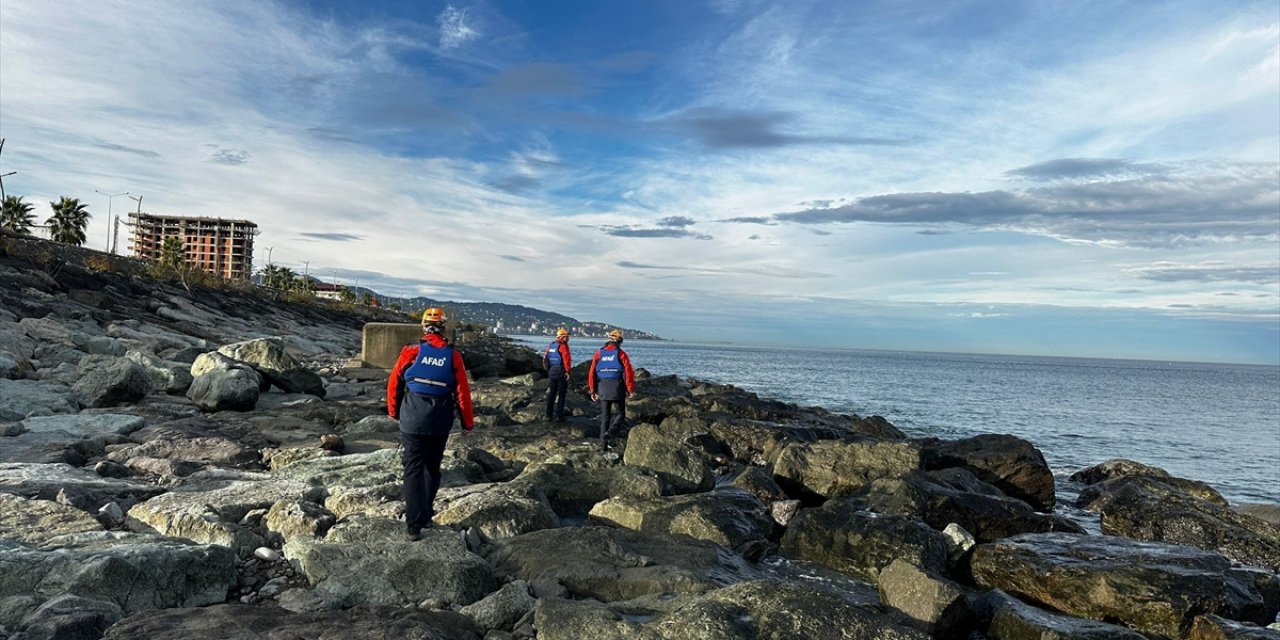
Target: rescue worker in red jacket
<point x="427" y="385"/>
<point x="556" y="360"/>
<point x="611" y="382"/>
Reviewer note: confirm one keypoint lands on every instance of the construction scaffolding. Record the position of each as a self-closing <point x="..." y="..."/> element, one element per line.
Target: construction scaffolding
<point x="216" y="245"/>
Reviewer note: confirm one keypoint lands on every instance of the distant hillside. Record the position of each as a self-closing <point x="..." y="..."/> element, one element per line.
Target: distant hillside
<point x="517" y="319"/>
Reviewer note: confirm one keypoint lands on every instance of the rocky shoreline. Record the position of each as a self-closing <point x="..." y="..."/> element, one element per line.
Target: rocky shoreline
<point x="200" y="464"/>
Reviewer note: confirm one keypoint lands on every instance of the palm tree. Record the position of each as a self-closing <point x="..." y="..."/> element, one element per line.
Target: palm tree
<point x="69" y="220"/>
<point x="172" y="254"/>
<point x="15" y="216"/>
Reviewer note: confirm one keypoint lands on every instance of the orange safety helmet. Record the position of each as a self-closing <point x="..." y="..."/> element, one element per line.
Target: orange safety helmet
<point x="434" y="315"/>
<point x="615" y="336"/>
<point x="562" y="332"/>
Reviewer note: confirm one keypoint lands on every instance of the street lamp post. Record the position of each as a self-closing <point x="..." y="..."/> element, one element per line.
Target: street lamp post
<point x="110" y="198"/>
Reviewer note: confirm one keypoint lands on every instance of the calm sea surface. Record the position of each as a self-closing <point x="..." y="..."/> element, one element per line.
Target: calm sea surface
<point x="1212" y="422"/>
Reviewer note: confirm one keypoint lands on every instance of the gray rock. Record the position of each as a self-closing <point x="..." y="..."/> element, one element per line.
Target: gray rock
<point x="860" y="544"/>
<point x="133" y="571"/>
<point x="67" y="438"/>
<point x="681" y="467"/>
<point x="374" y="424"/>
<point x="383" y="568"/>
<point x="20" y="399"/>
<point x="108" y="381"/>
<point x="46" y="481"/>
<point x="834" y="468"/>
<point x="501" y="512"/>
<point x="13" y="366"/>
<point x="225" y="390"/>
<point x="573" y="490"/>
<point x="70" y="617"/>
<point x="111" y="515"/>
<point x="103" y="346"/>
<point x="728" y="517"/>
<point x="1212" y="627"/>
<point x="617" y="564"/>
<point x="292" y="518"/>
<point x="503" y="608"/>
<point x="269" y="357"/>
<point x="234" y="622"/>
<point x="1010" y="463"/>
<point x="212" y="515"/>
<point x="213" y="361"/>
<point x="1154" y="588"/>
<point x="169" y="377"/>
<point x="759" y="483"/>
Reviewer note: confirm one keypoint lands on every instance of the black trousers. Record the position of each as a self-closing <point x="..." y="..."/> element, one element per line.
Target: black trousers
<point x="613" y="407"/>
<point x="421" y="457"/>
<point x="556" y="392"/>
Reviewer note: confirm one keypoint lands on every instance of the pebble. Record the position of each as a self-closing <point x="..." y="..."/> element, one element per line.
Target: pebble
<point x="266" y="553"/>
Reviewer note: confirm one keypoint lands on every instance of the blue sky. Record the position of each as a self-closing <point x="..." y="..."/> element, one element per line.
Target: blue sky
<point x="1062" y="178"/>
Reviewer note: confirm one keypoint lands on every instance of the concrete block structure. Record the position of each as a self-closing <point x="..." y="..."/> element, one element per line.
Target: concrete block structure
<point x="381" y="342"/>
<point x="216" y="245"/>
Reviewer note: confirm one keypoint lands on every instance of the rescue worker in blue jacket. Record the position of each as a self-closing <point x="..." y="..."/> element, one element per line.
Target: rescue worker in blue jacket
<point x="556" y="360"/>
<point x="611" y="382"/>
<point x="427" y="384"/>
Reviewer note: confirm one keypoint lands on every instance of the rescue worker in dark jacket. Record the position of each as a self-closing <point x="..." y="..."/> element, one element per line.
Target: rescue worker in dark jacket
<point x="427" y="385"/>
<point x="557" y="362"/>
<point x="611" y="382"/>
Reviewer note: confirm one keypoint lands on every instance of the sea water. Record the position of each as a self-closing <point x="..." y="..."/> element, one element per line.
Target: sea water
<point x="1219" y="423"/>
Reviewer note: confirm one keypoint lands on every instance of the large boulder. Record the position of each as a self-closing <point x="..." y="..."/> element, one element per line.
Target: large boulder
<point x="1153" y="588"/>
<point x="213" y="514"/>
<point x="503" y="608"/>
<point x="66" y="617"/>
<point x="1146" y="508"/>
<point x="1010" y="463"/>
<point x="1219" y="628"/>
<point x="683" y="468"/>
<point x="269" y="357"/>
<point x="197" y="441"/>
<point x="572" y="490"/>
<point x="727" y="517"/>
<point x="934" y="603"/>
<point x="108" y="381"/>
<point x="169" y="377"/>
<point x="48" y="481"/>
<point x="1121" y="468"/>
<point x="367" y="561"/>
<point x="611" y="564"/>
<point x="988" y="517"/>
<point x="841" y="536"/>
<point x="501" y="511"/>
<point x="20" y="399"/>
<point x="134" y="571"/>
<point x="1015" y="620"/>
<point x="764" y="609"/>
<point x="225" y="390"/>
<point x="836" y="467"/>
<point x="240" y="622"/>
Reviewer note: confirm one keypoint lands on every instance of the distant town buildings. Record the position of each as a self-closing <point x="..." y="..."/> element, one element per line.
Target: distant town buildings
<point x="326" y="291"/>
<point x="216" y="245"/>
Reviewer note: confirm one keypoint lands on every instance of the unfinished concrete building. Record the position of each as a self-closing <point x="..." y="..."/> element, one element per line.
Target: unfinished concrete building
<point x="216" y="245"/>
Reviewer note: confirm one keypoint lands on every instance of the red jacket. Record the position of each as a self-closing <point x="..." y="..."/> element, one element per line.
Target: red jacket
<point x="563" y="347"/>
<point x="395" y="383"/>
<point x="627" y="373"/>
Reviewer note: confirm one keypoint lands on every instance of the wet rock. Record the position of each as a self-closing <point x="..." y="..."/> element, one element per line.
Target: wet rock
<point x="987" y="517"/>
<point x="834" y="468"/>
<point x="1218" y="628"/>
<point x="1145" y="508"/>
<point x="617" y="564"/>
<point x="108" y="381"/>
<point x="729" y="517"/>
<point x="1018" y="621"/>
<point x="860" y="544"/>
<point x="238" y="622"/>
<point x="1153" y="588"/>
<point x="1121" y="468"/>
<point x="1010" y="463"/>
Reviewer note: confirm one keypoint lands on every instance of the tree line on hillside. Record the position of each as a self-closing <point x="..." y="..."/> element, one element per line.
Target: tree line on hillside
<point x="67" y="225"/>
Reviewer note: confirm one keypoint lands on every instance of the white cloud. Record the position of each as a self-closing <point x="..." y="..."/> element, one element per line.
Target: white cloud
<point x="454" y="30"/>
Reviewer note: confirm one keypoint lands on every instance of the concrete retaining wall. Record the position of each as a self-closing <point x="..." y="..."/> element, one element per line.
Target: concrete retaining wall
<point x="382" y="342"/>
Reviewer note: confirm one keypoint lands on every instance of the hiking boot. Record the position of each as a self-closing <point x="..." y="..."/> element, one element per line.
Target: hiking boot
<point x="413" y="535"/>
